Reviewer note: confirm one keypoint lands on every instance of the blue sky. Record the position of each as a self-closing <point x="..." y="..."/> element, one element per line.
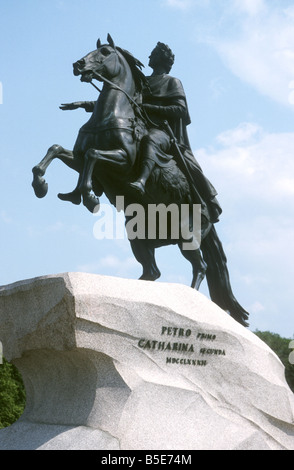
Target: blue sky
<point x="235" y="59"/>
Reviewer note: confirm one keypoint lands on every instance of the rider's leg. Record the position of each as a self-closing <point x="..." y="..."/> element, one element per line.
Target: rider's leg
<point x="146" y="170"/>
<point x="153" y="149"/>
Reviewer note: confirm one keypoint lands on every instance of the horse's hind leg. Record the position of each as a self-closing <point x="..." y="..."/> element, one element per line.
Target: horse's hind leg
<point x="55" y="151"/>
<point x="144" y="254"/>
<point x="198" y="265"/>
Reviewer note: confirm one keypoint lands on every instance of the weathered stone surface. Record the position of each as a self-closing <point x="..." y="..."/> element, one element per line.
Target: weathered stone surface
<point x="111" y="363"/>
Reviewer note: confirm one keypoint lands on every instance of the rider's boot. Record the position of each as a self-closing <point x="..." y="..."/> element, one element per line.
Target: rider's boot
<point x="139" y="184"/>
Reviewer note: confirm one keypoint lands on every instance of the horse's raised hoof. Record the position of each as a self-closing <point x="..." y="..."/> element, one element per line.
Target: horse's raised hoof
<point x="74" y="197"/>
<point x="40" y="186"/>
<point x="91" y="203"/>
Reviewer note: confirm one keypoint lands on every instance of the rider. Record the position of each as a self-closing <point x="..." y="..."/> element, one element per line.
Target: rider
<point x="166" y="101"/>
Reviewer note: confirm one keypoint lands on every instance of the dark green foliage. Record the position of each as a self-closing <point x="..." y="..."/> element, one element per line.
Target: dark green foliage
<point x="12" y="394"/>
<point x="281" y="347"/>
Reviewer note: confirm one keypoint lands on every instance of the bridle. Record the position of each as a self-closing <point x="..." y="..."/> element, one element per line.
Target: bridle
<point x="141" y="112"/>
<point x="114" y="86"/>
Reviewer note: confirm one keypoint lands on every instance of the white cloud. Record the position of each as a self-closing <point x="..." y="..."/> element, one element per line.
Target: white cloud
<point x="243" y="134"/>
<point x="255" y="182"/>
<point x="291" y="92"/>
<point x="254" y="163"/>
<point x="257" y="307"/>
<point x="186" y="4"/>
<point x="179" y="4"/>
<point x="112" y="265"/>
<point x="5" y="217"/>
<point x="251" y="7"/>
<point x="260" y="49"/>
<point x="111" y="261"/>
<point x="253" y="171"/>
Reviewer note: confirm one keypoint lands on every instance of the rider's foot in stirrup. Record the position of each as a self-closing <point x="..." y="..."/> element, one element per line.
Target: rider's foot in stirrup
<point x="74" y="197"/>
<point x="138" y="186"/>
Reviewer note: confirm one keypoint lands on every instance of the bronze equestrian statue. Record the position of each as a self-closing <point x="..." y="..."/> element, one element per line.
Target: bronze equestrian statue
<point x="135" y="145"/>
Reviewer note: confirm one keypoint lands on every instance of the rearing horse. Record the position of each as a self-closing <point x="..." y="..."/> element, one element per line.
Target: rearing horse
<point x="105" y="154"/>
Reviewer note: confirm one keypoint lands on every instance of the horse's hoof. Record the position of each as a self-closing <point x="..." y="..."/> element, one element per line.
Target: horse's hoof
<point x="37" y="171"/>
<point x="40" y="187"/>
<point x="91" y="203"/>
<point x="150" y="276"/>
<point x="198" y="278"/>
<point x="74" y="197"/>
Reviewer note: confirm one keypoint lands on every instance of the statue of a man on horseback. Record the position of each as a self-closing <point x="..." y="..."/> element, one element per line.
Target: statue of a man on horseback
<point x="164" y="102"/>
<point x="135" y="145"/>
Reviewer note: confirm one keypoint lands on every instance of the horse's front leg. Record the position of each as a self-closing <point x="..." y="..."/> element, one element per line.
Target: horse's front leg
<point x="145" y="255"/>
<point x="55" y="151"/>
<point x="105" y="159"/>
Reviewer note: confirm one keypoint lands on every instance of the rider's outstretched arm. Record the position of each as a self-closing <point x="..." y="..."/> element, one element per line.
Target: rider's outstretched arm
<point x="86" y="105"/>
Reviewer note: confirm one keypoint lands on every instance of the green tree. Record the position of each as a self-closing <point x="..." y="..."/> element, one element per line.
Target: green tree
<point x="12" y="394"/>
<point x="281" y="347"/>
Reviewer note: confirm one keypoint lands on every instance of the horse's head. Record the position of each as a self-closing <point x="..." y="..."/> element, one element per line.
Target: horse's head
<point x="109" y="61"/>
<point x="102" y="61"/>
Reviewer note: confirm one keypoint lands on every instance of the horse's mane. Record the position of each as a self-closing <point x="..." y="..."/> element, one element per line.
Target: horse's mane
<point x="136" y="66"/>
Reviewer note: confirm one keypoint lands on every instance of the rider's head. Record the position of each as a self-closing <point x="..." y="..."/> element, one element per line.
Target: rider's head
<point x="162" y="55"/>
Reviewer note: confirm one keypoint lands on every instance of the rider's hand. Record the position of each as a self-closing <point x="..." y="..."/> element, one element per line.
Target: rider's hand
<point x="71" y="106"/>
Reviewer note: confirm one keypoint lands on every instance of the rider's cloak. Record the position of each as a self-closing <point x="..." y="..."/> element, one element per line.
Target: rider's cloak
<point x="167" y="93"/>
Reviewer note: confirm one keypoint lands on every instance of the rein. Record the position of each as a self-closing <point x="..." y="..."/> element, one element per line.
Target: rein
<point x="98" y="75"/>
<point x="144" y="117"/>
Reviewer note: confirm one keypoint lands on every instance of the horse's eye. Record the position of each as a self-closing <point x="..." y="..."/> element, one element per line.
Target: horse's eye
<point x="105" y="51"/>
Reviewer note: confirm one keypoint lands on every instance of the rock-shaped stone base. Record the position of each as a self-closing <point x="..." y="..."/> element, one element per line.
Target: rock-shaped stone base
<point x="111" y="363"/>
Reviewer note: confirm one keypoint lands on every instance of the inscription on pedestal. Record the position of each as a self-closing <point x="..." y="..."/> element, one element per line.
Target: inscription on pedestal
<point x="196" y="347"/>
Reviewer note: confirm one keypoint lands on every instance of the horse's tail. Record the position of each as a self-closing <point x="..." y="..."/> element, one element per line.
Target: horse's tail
<point x="218" y="279"/>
